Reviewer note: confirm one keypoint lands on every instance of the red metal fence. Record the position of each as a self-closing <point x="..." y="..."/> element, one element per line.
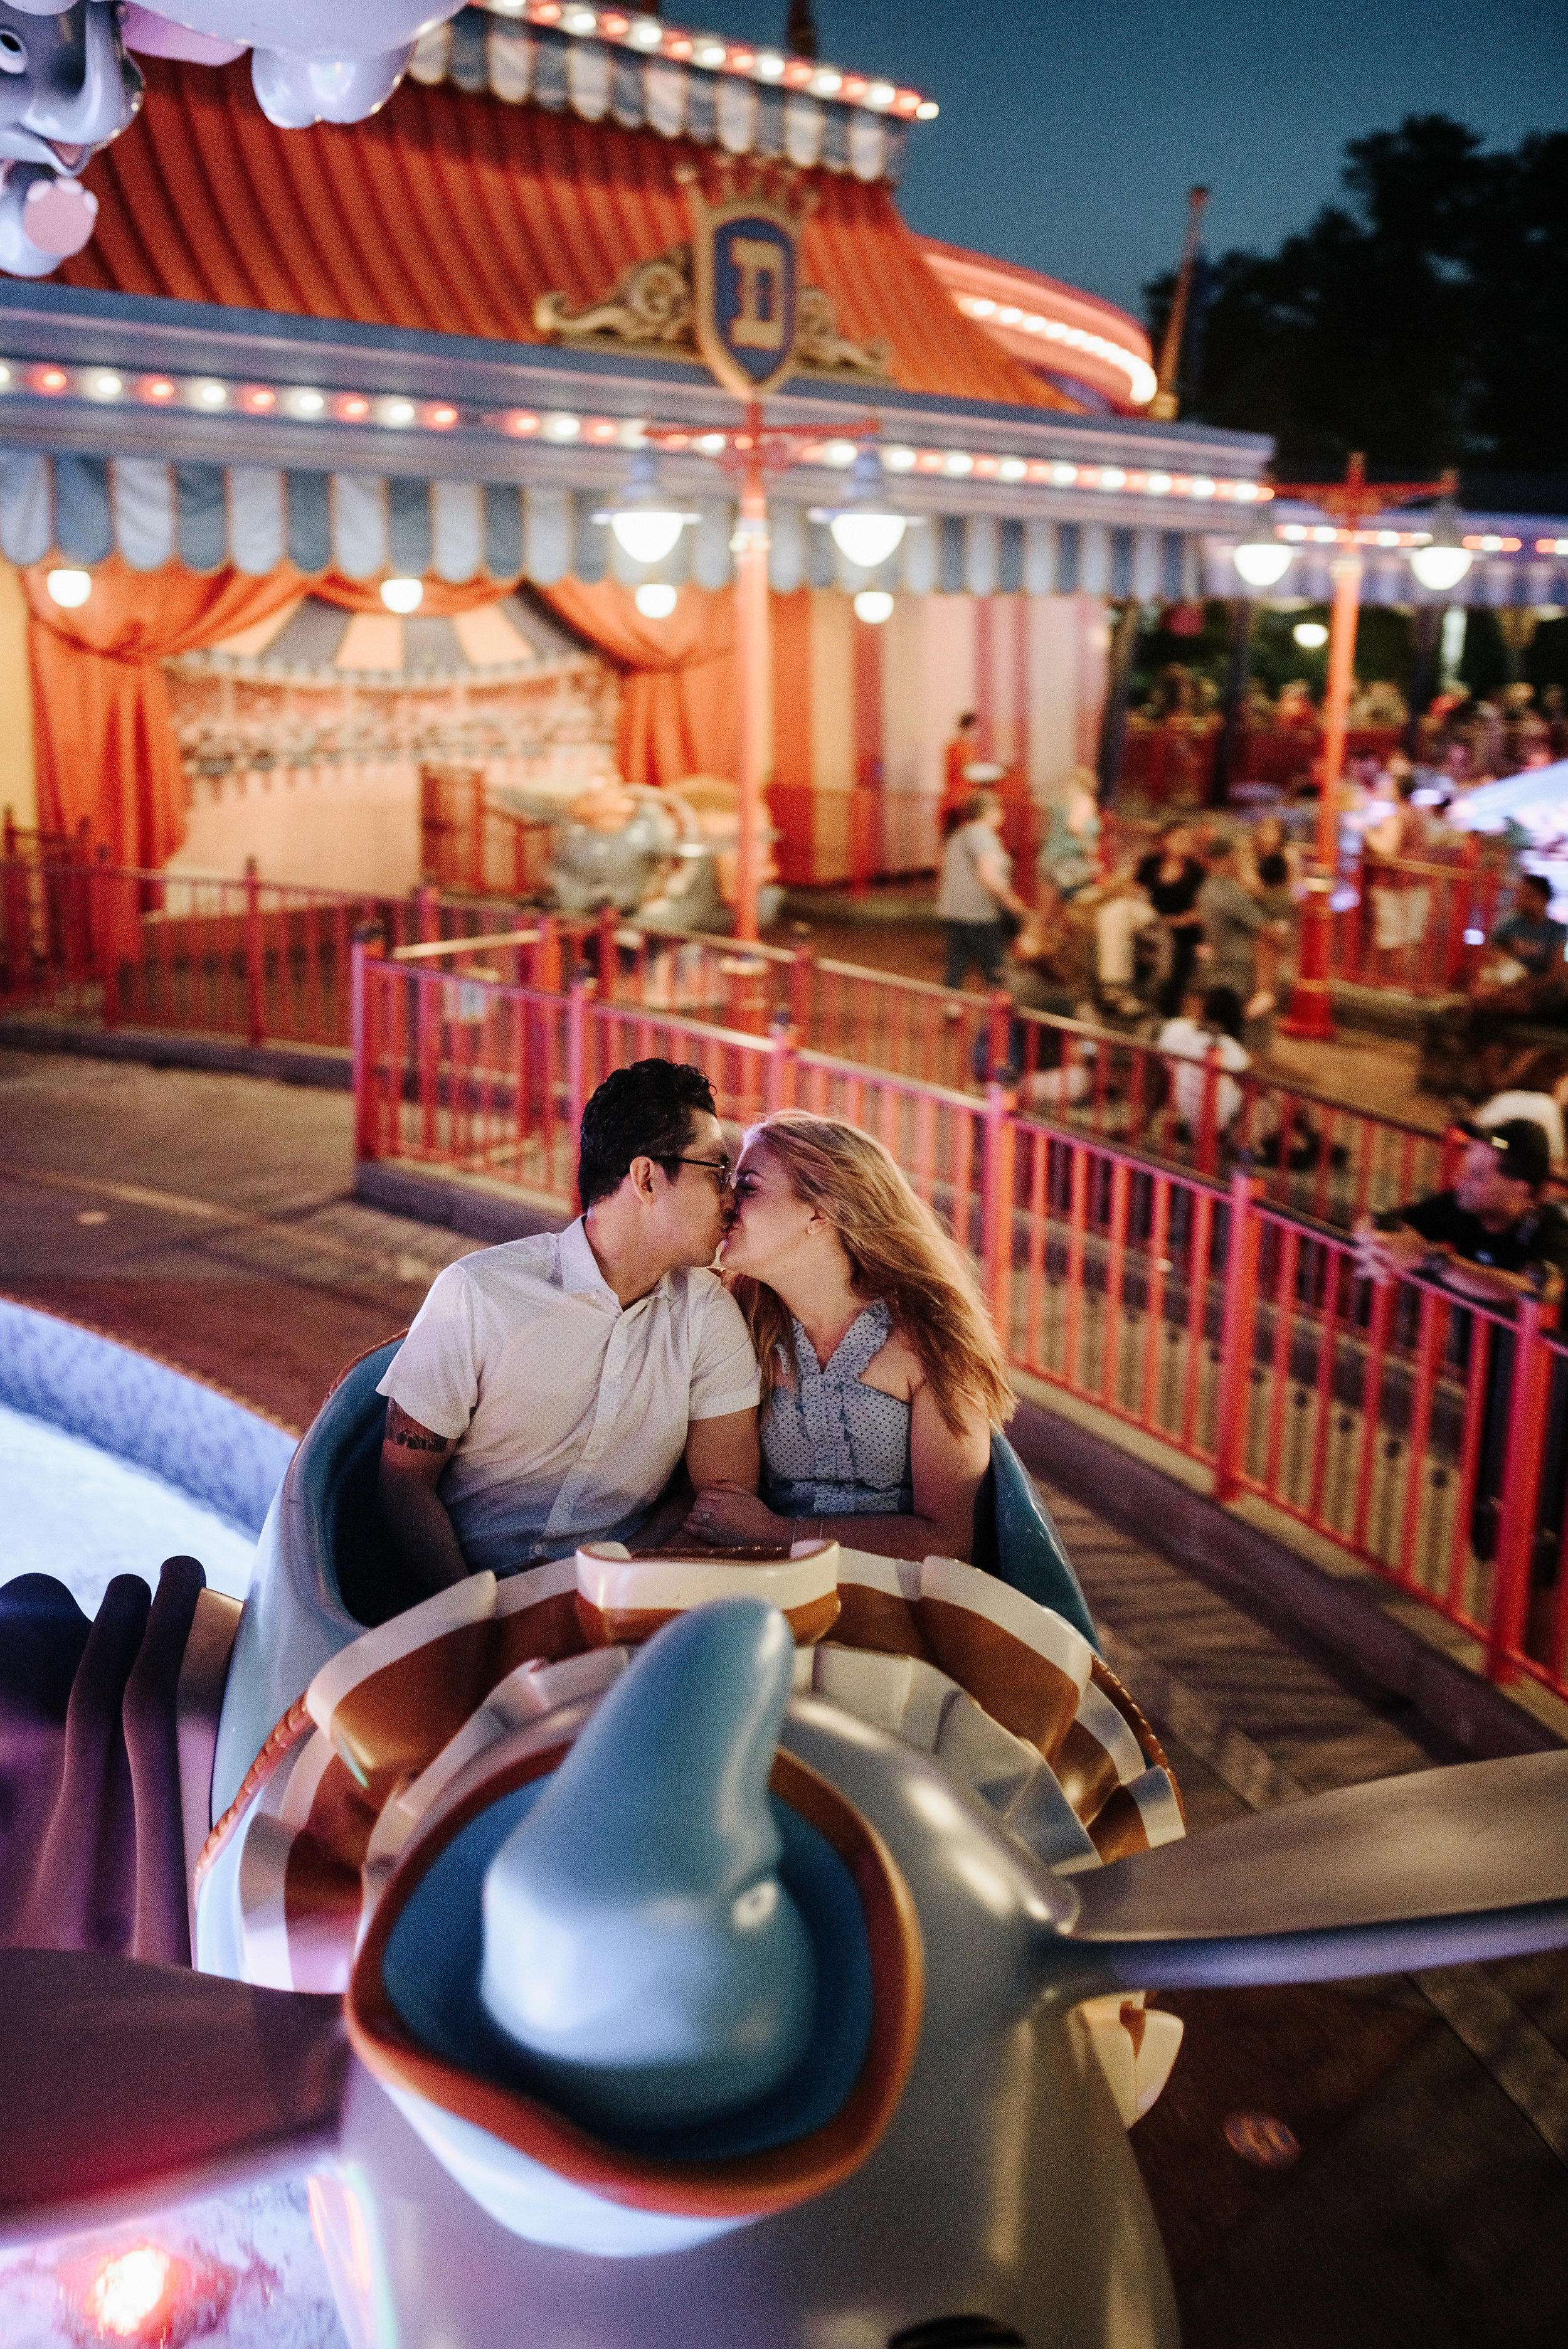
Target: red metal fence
<point x="1408" y="1427"/>
<point x="263" y="961"/>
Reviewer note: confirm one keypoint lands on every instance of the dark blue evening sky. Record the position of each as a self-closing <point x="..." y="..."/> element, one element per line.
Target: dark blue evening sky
<point x="1070" y="134"/>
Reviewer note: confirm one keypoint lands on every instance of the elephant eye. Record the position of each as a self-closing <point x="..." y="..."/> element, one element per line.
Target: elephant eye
<point x="13" y="56"/>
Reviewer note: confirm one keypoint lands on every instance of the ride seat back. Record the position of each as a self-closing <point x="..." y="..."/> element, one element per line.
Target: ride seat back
<point x="1015" y="1540"/>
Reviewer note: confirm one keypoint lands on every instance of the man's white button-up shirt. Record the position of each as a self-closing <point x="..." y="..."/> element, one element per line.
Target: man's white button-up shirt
<point x="570" y="1410"/>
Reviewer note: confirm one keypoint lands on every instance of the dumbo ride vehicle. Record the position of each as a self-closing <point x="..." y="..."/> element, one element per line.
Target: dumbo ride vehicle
<point x="640" y="1951"/>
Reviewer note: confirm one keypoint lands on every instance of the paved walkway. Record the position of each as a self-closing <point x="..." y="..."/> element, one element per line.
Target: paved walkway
<point x="209" y="1218"/>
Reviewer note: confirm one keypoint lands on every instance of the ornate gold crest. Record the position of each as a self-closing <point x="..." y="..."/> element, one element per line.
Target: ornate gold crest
<point x="730" y="299"/>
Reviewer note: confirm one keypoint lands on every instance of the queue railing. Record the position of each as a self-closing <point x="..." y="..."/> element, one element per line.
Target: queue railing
<point x="264" y="961"/>
<point x="1418" y="1431"/>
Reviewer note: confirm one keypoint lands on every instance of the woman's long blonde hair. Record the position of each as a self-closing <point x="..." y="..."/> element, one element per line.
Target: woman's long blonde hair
<point x="899" y="1255"/>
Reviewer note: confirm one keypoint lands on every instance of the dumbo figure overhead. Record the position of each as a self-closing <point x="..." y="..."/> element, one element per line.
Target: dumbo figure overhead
<point x="308" y="64"/>
<point x="67" y="87"/>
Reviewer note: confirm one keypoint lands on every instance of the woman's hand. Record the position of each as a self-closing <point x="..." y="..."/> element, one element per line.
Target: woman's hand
<point x="721" y="1516"/>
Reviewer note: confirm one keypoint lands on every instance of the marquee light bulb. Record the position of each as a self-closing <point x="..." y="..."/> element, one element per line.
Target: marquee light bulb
<point x="402" y="595"/>
<point x="69" y="589"/>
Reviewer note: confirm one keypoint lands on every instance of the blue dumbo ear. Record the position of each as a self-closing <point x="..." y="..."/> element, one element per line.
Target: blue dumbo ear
<point x="638" y="1942"/>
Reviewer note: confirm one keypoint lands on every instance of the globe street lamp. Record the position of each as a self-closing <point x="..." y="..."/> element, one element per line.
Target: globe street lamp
<point x="647" y="524"/>
<point x="1439" y="562"/>
<point x="865" y="531"/>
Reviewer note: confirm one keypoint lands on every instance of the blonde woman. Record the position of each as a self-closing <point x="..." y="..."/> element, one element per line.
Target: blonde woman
<point x="881" y="1379"/>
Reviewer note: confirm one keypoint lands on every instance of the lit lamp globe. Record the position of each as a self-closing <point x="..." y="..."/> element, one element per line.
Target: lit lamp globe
<point x="873" y="605"/>
<point x="1262" y="562"/>
<point x="864" y="532"/>
<point x="646" y="524"/>
<point x="655" y="600"/>
<point x="69" y="589"/>
<point x="402" y="595"/>
<point x="1310" y="635"/>
<point x="1440" y="567"/>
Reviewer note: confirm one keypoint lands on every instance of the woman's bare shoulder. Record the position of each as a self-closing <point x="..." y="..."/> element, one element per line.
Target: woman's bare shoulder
<point x="895" y="1368"/>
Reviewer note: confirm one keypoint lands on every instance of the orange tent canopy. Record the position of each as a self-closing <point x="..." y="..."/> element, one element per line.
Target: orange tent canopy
<point x="452" y="214"/>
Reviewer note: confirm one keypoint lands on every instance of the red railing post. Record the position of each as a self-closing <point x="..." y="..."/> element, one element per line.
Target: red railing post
<point x="800" y="960"/>
<point x="255" y="989"/>
<point x="609" y="952"/>
<point x="1527" y="1399"/>
<point x="362" y="1046"/>
<point x="1457" y="950"/>
<point x="996" y="1207"/>
<point x="999" y="1033"/>
<point x="577" y="1052"/>
<point x="779" y="1070"/>
<point x="546" y="971"/>
<point x="104" y="907"/>
<point x="1236" y="1343"/>
<point x="427" y="912"/>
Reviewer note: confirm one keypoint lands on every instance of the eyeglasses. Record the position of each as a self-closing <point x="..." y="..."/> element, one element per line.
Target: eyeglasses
<point x="719" y="1166"/>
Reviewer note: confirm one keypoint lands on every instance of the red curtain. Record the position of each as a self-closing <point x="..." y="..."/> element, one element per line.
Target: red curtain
<point x="680" y="703"/>
<point x="105" y="746"/>
<point x="105" y="750"/>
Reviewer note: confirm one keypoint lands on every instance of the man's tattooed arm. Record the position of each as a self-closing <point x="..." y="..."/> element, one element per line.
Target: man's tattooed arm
<point x="410" y="1435"/>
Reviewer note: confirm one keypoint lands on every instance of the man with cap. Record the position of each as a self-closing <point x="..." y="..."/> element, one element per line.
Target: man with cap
<point x="1492" y="1237"/>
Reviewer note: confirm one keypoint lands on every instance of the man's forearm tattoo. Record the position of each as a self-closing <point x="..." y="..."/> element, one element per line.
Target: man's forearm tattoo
<point x="406" y="1432"/>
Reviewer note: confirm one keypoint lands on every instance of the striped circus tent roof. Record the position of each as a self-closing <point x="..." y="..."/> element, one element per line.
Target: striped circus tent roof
<point x="511" y="638"/>
<point x="452" y="213"/>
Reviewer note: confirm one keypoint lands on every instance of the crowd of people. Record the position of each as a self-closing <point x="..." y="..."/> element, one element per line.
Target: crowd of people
<point x="1187" y="945"/>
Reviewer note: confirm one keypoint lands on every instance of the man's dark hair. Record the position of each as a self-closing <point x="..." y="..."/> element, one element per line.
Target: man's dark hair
<point x="1539" y="884"/>
<point x="1223" y="1010"/>
<point x="1273" y="871"/>
<point x="643" y="1112"/>
<point x="968" y="718"/>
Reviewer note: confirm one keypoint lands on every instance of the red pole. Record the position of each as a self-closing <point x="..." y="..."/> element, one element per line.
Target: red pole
<point x="362" y="1046"/>
<point x="255" y="989"/>
<point x="996" y="1207"/>
<point x="103" y="913"/>
<point x="1236" y="1343"/>
<point x="778" y="1076"/>
<point x="1520" y="1480"/>
<point x="576" y="1056"/>
<point x="756" y="660"/>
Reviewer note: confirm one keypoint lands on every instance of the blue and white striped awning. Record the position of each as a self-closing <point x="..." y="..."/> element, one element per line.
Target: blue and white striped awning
<point x="81" y="508"/>
<point x="599" y="79"/>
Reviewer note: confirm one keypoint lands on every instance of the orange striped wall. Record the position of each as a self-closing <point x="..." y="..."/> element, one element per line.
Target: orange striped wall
<point x="868" y="712"/>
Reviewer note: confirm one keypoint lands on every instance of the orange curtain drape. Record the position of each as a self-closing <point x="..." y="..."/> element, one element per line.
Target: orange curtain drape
<point x="680" y="703"/>
<point x="104" y="737"/>
<point x="106" y="750"/>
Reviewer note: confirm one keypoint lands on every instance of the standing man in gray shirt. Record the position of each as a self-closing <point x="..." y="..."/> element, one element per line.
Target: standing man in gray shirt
<point x="1233" y="918"/>
<point x="977" y="889"/>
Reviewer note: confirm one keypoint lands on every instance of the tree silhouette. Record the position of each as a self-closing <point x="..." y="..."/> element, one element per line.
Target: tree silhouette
<point x="1424" y="321"/>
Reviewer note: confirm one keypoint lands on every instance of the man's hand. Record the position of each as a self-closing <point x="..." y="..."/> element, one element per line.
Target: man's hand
<point x="722" y="1518"/>
<point x="412" y="1460"/>
<point x="1383" y="1257"/>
